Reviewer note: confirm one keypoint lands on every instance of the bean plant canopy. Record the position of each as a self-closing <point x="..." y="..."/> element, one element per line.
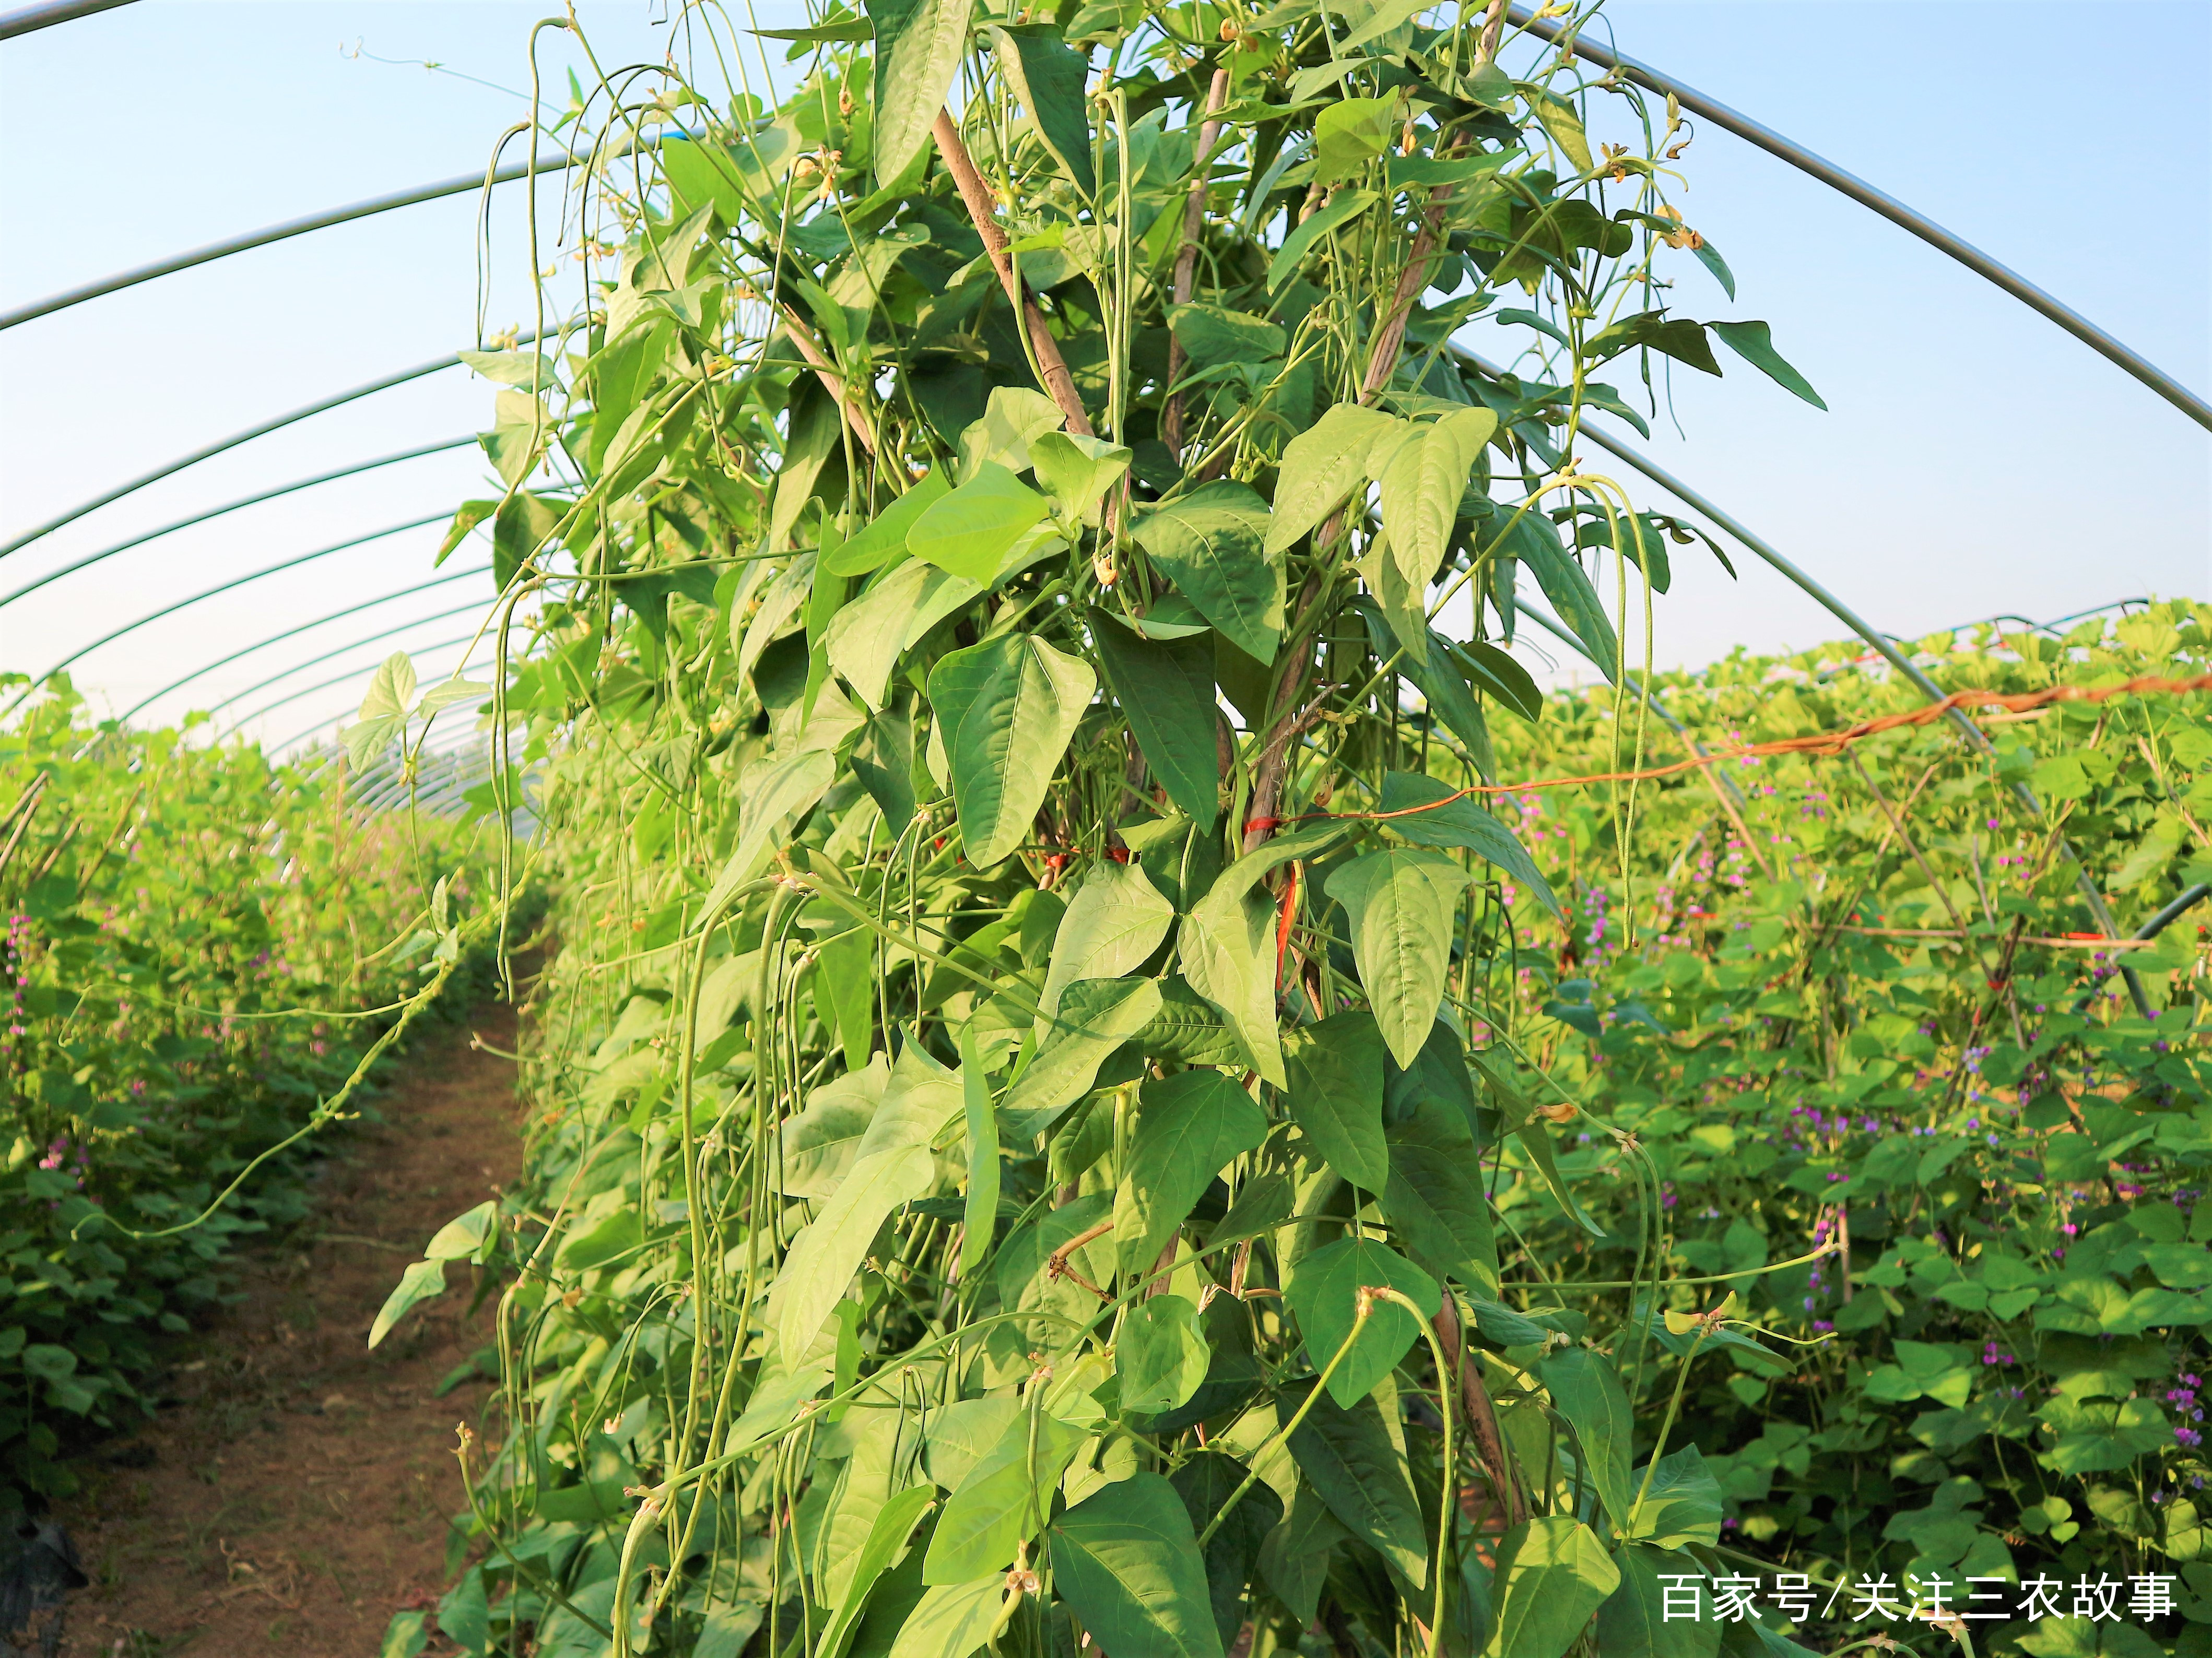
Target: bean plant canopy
<point x="1022" y="558"/>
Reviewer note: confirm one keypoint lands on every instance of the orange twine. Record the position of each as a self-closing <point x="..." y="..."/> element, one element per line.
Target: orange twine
<point x="1819" y="743"/>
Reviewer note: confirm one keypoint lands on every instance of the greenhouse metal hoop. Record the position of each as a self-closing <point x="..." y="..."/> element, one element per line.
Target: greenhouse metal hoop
<point x="210" y="592"/>
<point x="232" y="507"/>
<point x="329" y="655"/>
<point x="304" y="626"/>
<point x="208" y="452"/>
<point x="324" y="685"/>
<point x="28" y="20"/>
<point x="1721" y="115"/>
<point x="1878" y="201"/>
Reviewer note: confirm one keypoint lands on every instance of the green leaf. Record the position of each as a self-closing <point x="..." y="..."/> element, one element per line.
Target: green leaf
<point x="1161" y="1355"/>
<point x="884" y="540"/>
<point x="1112" y="926"/>
<point x="1422" y="484"/>
<point x="1552" y="1575"/>
<point x="970" y="532"/>
<point x="1013" y="421"/>
<point x="1348" y="1456"/>
<point x="1211" y="335"/>
<point x="773" y="1408"/>
<point x="953" y="1620"/>
<point x="1633" y="1621"/>
<point x="1683" y="1506"/>
<point x="616" y="1235"/>
<point x="1754" y="342"/>
<point x="1093" y="1022"/>
<point x="466" y="517"/>
<point x="995" y="1506"/>
<point x="464" y="1616"/>
<point x="424" y="1279"/>
<point x="980" y="1216"/>
<point x="1226" y="946"/>
<point x="1493" y="670"/>
<point x="816" y="1148"/>
<point x="866" y="638"/>
<point x="1335" y="1089"/>
<point x="1537" y="1141"/>
<point x="1205" y="1483"/>
<point x="1323" y="466"/>
<point x="824" y="1256"/>
<point x="1586" y="1392"/>
<point x="1126" y="1560"/>
<point x="465" y="1235"/>
<point x="1047" y="77"/>
<point x="523" y="526"/>
<point x="1188" y="1030"/>
<point x="774" y="793"/>
<point x="1460" y="822"/>
<point x="383" y="709"/>
<point x="1190" y="1127"/>
<point x="1211" y="543"/>
<point x="1401" y="608"/>
<point x="1324" y="1293"/>
<point x="1709" y="257"/>
<point x="1294" y="1559"/>
<point x="919" y="45"/>
<point x="1165" y="686"/>
<point x="1535" y="540"/>
<point x="1402" y="904"/>
<point x="1348" y="133"/>
<point x="1348" y="205"/>
<point x="1078" y="471"/>
<point x="844" y="987"/>
<point x="886" y="1541"/>
<point x="1559" y="119"/>
<point x="1677" y="338"/>
<point x="1434" y="1197"/>
<point x="405" y="1636"/>
<point x="1008" y="707"/>
<point x="817" y="431"/>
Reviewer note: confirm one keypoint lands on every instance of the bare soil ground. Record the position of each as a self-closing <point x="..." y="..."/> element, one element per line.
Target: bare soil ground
<point x="294" y="1490"/>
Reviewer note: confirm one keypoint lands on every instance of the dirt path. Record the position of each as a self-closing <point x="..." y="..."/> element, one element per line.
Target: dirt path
<point x="293" y="1491"/>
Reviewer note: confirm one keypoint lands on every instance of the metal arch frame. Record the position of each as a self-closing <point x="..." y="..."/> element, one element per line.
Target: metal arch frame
<point x="367" y="603"/>
<point x="2099" y="910"/>
<point x="28" y="20"/>
<point x="1544" y="28"/>
<point x="560" y="161"/>
<point x="317" y="661"/>
<point x="455" y="773"/>
<point x="232" y="507"/>
<point x="211" y="450"/>
<point x="210" y="592"/>
<point x="1879" y="201"/>
<point x="1709" y="109"/>
<point x="243" y="720"/>
<point x="542" y="166"/>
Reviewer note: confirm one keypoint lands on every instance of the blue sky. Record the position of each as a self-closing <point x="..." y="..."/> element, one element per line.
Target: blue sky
<point x="1974" y="459"/>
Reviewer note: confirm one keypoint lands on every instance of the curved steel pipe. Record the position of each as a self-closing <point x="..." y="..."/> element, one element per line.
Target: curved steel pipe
<point x="244" y="720"/>
<point x="2099" y="910"/>
<point x="276" y="233"/>
<point x="210" y="592"/>
<point x="279" y="677"/>
<point x="274" y="639"/>
<point x="232" y="442"/>
<point x="72" y="567"/>
<point x="1905" y="218"/>
<point x="28" y="20"/>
